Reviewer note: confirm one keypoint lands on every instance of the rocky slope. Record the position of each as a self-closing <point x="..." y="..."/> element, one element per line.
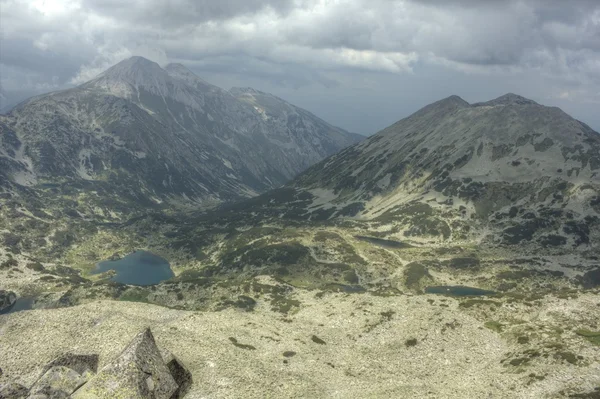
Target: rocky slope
<point x="153" y="134"/>
<point x="291" y="126"/>
<point x="509" y="171"/>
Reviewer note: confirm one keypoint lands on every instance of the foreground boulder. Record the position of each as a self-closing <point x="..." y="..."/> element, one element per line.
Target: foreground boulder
<point x="139" y="372"/>
<point x="64" y="375"/>
<point x="7" y="300"/>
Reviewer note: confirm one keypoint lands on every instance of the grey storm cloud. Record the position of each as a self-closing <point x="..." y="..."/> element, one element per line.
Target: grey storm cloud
<point x="338" y="45"/>
<point x="173" y="13"/>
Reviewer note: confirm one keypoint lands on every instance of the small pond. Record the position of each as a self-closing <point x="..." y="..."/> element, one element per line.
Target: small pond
<point x="457" y="290"/>
<point x="350" y="289"/>
<point x="383" y="243"/>
<point x="20" y="305"/>
<point x="138" y="268"/>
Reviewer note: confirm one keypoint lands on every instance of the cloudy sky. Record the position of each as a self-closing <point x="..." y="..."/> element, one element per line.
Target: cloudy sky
<point x="360" y="64"/>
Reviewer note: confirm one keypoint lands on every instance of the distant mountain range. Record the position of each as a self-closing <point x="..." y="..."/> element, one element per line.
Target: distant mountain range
<point x="154" y="134"/>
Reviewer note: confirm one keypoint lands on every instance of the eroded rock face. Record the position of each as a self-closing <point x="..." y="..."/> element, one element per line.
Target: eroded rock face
<point x="58" y="382"/>
<point x="138" y="372"/>
<point x="7" y="299"/>
<point x="181" y="375"/>
<point x="79" y="363"/>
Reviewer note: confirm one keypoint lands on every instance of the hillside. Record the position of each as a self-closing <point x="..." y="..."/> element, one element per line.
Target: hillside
<point x="509" y="171"/>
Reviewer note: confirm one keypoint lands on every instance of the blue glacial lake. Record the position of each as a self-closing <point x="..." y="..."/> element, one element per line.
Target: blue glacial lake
<point x="138" y="268"/>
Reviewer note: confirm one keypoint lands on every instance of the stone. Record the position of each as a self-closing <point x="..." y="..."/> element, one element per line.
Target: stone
<point x="139" y="372"/>
<point x="13" y="391"/>
<point x="79" y="363"/>
<point x="181" y="375"/>
<point x="7" y="300"/>
<point x="58" y="382"/>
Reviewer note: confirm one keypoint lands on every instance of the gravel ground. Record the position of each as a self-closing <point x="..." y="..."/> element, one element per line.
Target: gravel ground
<point x="364" y="354"/>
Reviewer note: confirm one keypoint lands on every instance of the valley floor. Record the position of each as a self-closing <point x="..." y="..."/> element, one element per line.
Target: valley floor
<point x="336" y="345"/>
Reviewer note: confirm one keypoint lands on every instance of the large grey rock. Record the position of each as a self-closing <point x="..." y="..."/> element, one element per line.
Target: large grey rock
<point x="139" y="372"/>
<point x="58" y="382"/>
<point x="13" y="391"/>
<point x="63" y="375"/>
<point x="7" y="299"/>
<point x="79" y="363"/>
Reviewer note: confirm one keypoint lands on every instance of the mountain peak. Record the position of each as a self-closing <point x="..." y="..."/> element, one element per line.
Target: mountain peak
<point x="138" y="59"/>
<point x="508" y="99"/>
<point x="135" y="62"/>
<point x="135" y="70"/>
<point x="448" y="104"/>
<point x="454" y="99"/>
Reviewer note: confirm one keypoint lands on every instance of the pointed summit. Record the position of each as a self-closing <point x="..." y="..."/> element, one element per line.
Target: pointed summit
<point x="453" y="100"/>
<point x="134" y="67"/>
<point x="448" y="104"/>
<point x="131" y="75"/>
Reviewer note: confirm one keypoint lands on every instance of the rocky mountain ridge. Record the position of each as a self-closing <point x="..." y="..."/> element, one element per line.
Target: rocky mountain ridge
<point x="155" y="134"/>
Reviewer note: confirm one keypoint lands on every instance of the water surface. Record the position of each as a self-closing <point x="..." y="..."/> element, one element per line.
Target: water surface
<point x="457" y="290"/>
<point x="138" y="268"/>
<point x="384" y="243"/>
<point x="20" y="305"/>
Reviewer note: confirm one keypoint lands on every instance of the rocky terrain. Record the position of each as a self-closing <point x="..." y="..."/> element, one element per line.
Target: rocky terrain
<point x="454" y="254"/>
<point x="337" y="345"/>
<point x="139" y="371"/>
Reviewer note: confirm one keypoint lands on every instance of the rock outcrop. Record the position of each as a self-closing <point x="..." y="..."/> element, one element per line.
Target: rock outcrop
<point x="7" y="300"/>
<point x="181" y="375"/>
<point x="138" y="372"/>
<point x="58" y="383"/>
